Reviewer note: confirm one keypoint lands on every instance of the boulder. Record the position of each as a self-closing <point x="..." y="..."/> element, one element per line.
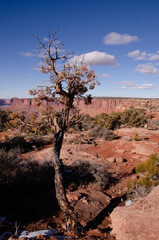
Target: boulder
<point x="91" y="203"/>
<point x="127" y="138"/>
<point x="139" y="221"/>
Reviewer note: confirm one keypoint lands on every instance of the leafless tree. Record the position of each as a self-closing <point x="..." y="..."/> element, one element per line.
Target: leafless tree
<point x="67" y="81"/>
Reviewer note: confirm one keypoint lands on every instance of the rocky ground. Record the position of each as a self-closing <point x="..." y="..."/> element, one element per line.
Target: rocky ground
<point x="99" y="186"/>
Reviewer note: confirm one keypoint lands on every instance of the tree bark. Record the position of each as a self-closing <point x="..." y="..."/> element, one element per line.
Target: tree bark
<point x="69" y="215"/>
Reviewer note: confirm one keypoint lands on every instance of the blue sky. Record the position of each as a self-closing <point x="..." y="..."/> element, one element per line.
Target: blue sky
<point x="120" y="38"/>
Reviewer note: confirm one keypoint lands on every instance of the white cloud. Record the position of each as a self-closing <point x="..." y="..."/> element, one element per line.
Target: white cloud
<point x="154" y="57"/>
<point x="147" y="68"/>
<point x="95" y="58"/>
<point x="114" y="38"/>
<point x="27" y="54"/>
<point x="134" y="85"/>
<point x="104" y="75"/>
<point x="146" y="86"/>
<point x="128" y="84"/>
<point x="137" y="55"/>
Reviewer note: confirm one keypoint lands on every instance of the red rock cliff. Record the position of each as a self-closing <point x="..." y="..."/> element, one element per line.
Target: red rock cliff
<point x="99" y="105"/>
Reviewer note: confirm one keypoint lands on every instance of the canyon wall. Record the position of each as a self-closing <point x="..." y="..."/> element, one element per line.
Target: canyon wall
<point x="99" y="105"/>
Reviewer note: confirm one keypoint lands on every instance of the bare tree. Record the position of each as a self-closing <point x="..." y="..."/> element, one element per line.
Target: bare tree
<point x="67" y="81"/>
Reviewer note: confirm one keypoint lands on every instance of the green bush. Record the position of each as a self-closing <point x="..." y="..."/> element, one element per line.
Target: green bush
<point x="111" y="121"/>
<point x="4" y="120"/>
<point x="131" y="117"/>
<point x="134" y="117"/>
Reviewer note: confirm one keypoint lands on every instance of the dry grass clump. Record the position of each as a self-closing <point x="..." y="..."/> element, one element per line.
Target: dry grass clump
<point x="84" y="172"/>
<point x="101" y="132"/>
<point x="25" y="144"/>
<point x="141" y="186"/>
<point x="150" y="166"/>
<point x="138" y="192"/>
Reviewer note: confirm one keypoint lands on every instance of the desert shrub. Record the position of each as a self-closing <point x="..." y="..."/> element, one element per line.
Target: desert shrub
<point x="110" y="121"/>
<point x="9" y="163"/>
<point x="151" y="173"/>
<point x="84" y="172"/>
<point x="150" y="179"/>
<point x="108" y="135"/>
<point x="138" y="191"/>
<point x="23" y="183"/>
<point x="150" y="166"/>
<point x="87" y="122"/>
<point x="136" y="137"/>
<point x="100" y="132"/>
<point x="131" y="117"/>
<point x="134" y="117"/>
<point x="95" y="132"/>
<point x="25" y="144"/>
<point x="4" y="120"/>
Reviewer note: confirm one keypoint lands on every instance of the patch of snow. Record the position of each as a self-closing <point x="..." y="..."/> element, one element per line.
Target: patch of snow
<point x="128" y="202"/>
<point x="32" y="235"/>
<point x="47" y="233"/>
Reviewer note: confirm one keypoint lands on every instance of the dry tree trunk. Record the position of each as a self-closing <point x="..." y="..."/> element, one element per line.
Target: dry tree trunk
<point x="69" y="215"/>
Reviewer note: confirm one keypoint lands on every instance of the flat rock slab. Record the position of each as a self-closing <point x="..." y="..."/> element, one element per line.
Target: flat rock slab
<point x="90" y="205"/>
<point x="139" y="221"/>
<point x="143" y="150"/>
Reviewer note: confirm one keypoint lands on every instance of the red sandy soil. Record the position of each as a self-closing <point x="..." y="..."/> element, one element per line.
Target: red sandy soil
<point x="91" y="197"/>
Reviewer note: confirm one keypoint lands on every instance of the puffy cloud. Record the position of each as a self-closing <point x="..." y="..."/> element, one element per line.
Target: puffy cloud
<point x="95" y="58"/>
<point x="147" y="68"/>
<point x="134" y="85"/>
<point x="154" y="57"/>
<point x="114" y="38"/>
<point x="137" y="55"/>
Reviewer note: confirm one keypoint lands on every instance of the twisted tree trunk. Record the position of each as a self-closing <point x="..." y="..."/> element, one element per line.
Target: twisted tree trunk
<point x="69" y="215"/>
